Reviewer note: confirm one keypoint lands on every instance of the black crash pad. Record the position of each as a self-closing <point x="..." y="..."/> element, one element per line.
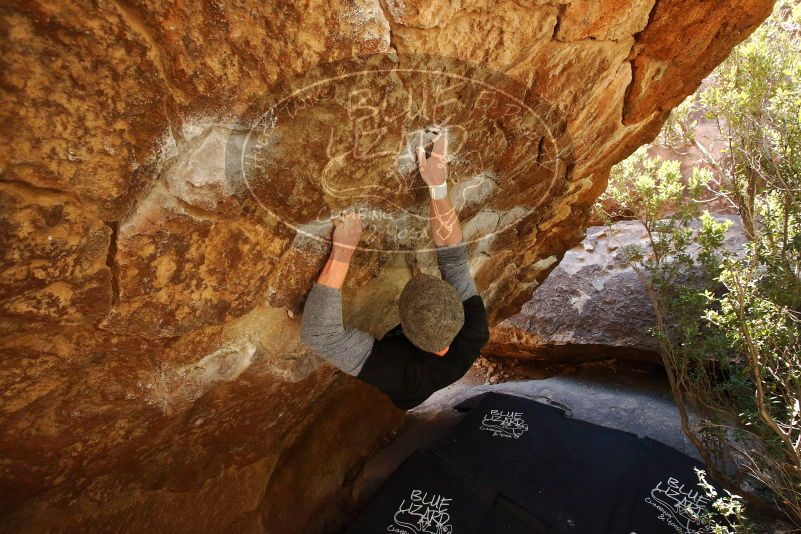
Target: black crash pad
<point x="543" y="460"/>
<point x="508" y="517"/>
<point x="424" y="496"/>
<point x="516" y="465"/>
<point x="665" y="487"/>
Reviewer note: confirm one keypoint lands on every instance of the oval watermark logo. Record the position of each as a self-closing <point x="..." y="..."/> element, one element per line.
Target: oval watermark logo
<point x="342" y="137"/>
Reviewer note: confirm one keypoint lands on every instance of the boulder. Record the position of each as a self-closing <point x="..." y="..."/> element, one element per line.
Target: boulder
<point x="593" y="305"/>
<point x="168" y="174"/>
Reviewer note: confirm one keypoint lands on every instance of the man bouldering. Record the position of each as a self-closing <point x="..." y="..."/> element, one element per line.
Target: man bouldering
<point x="443" y="322"/>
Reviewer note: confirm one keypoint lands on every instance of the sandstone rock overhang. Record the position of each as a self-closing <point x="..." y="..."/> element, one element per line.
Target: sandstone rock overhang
<point x="151" y="375"/>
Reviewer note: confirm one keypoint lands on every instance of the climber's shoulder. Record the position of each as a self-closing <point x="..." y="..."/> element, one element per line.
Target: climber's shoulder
<point x="475" y="330"/>
<point x="409" y="375"/>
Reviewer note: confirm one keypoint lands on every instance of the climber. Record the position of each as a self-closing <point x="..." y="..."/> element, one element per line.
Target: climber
<point x="443" y="322"/>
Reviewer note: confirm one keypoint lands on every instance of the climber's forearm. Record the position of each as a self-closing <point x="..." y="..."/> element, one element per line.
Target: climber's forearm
<point x="451" y="248"/>
<point x="445" y="229"/>
<point x="336" y="268"/>
<point x="322" y="329"/>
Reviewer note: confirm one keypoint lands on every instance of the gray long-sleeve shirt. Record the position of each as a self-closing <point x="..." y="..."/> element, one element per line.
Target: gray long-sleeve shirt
<point x="348" y="348"/>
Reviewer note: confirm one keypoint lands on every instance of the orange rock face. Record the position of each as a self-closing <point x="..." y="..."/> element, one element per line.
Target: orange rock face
<point x="168" y="174"/>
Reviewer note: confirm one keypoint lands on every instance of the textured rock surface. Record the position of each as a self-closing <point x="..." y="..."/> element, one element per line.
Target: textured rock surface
<point x="593" y="304"/>
<point x="151" y="372"/>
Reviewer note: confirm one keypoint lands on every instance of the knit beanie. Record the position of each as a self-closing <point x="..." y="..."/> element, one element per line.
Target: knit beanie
<point x="431" y="313"/>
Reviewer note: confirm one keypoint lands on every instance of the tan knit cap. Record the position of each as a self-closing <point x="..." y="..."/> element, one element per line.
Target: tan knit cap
<point x="431" y="313"/>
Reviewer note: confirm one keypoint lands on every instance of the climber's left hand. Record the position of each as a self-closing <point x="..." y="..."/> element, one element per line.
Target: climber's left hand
<point x="347" y="233"/>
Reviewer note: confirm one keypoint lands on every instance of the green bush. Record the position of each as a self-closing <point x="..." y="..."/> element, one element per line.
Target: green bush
<point x="729" y="322"/>
<point x="727" y="515"/>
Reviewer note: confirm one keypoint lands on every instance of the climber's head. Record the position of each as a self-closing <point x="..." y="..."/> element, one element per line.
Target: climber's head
<point x="431" y="313"/>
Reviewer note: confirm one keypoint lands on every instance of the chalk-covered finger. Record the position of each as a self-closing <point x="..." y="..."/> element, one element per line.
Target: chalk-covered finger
<point x="440" y="149"/>
<point x="421" y="157"/>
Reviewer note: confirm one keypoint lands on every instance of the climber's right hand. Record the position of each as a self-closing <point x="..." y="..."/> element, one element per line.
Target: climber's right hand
<point x="434" y="170"/>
